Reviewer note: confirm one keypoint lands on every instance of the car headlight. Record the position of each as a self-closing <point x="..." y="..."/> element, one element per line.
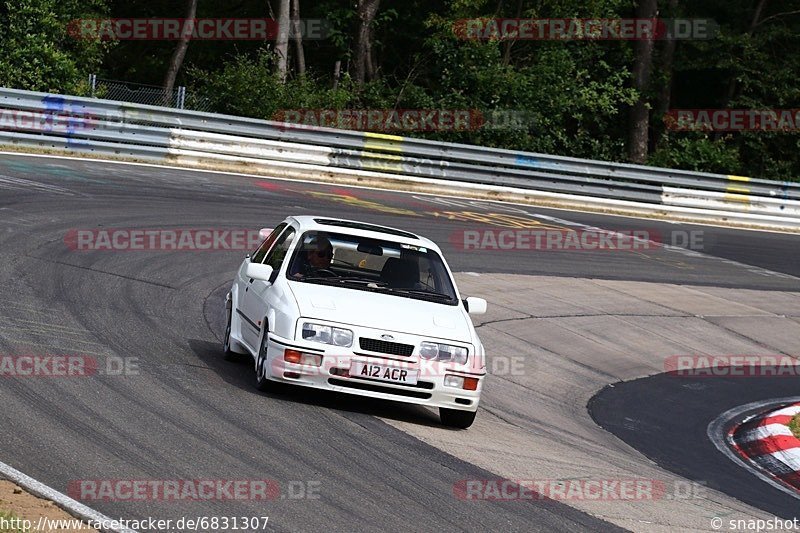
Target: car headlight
<point x="443" y="352"/>
<point x="327" y="335"/>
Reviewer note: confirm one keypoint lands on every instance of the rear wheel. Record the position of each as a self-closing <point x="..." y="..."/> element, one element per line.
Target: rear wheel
<point x="262" y="383"/>
<point x="455" y="418"/>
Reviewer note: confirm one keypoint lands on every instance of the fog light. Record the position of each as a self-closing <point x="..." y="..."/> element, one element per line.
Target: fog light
<point x="311" y="359"/>
<point x="453" y="381"/>
<point x="291" y="375"/>
<point x="470" y="383"/>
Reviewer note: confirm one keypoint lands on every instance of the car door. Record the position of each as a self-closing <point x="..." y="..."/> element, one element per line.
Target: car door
<point x="256" y="295"/>
<point x="243" y="282"/>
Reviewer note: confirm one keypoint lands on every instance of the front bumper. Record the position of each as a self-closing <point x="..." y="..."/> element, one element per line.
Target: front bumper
<point x="333" y="374"/>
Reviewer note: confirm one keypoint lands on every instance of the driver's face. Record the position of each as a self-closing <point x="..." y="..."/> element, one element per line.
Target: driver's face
<point x="319" y="258"/>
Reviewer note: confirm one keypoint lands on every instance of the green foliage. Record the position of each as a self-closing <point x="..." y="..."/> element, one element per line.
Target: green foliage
<point x="560" y="97"/>
<point x="697" y="151"/>
<point x="763" y="63"/>
<point x="36" y="50"/>
<point x="564" y="98"/>
<point x="794" y="425"/>
<point x="573" y="96"/>
<point x="9" y="516"/>
<point x="247" y="86"/>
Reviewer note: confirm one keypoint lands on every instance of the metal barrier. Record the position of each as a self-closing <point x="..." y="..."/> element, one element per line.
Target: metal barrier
<point x="110" y="128"/>
<point x="140" y="93"/>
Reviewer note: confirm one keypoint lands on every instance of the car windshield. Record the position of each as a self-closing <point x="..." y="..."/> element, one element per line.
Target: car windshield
<point x="375" y="265"/>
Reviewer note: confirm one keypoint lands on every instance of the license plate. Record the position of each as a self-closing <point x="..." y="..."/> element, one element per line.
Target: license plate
<point x="392" y="374"/>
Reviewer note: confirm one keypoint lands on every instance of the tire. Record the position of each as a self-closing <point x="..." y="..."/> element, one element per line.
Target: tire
<point x="226" y="342"/>
<point x="262" y="383"/>
<point x="456" y="418"/>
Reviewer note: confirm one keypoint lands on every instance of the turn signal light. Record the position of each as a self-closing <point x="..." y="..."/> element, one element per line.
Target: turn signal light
<point x="302" y="358"/>
<point x="293" y="356"/>
<point x="470" y="383"/>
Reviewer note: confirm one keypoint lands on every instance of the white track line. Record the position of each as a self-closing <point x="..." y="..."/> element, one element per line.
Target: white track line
<point x="73" y="507"/>
<point x="10" y="182"/>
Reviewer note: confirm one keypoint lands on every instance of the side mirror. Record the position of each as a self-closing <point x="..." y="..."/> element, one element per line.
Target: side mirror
<point x="475" y="306"/>
<point x="259" y="271"/>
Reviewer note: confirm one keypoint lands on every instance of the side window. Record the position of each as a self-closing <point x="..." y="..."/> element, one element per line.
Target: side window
<point x="278" y="253"/>
<point x="261" y="253"/>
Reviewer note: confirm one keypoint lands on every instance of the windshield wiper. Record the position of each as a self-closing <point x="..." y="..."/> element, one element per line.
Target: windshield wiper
<point x="381" y="285"/>
<point x="364" y="281"/>
<point x="417" y="292"/>
<point x="315" y="278"/>
<point x="329" y="279"/>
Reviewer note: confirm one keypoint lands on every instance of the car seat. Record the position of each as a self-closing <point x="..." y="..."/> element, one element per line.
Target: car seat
<point x="400" y="273"/>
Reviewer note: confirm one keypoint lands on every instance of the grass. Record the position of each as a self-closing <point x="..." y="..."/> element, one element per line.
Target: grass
<point x="794" y="425"/>
<point x="5" y="515"/>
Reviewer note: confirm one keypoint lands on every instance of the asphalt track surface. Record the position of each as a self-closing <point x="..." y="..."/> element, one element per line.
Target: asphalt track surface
<point x="187" y="414"/>
<point x="666" y="418"/>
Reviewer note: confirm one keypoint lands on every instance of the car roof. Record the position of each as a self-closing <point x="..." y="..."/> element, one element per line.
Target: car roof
<point x="365" y="229"/>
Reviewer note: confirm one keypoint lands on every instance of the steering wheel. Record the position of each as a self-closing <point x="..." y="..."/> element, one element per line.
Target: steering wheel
<point x="325" y="273"/>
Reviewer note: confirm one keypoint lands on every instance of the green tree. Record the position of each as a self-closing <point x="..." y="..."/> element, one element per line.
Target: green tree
<point x="37" y="52"/>
<point x="752" y="64"/>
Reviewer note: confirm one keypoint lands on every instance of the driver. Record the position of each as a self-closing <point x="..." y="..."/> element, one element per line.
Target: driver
<point x="318" y="256"/>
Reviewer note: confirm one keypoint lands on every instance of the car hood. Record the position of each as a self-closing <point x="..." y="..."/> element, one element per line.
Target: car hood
<point x="382" y="311"/>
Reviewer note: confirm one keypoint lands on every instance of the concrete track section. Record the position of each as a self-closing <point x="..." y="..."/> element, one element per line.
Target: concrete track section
<point x="562" y="326"/>
<point x="569" y="338"/>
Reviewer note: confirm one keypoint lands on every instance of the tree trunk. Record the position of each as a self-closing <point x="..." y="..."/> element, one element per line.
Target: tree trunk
<point x="282" y="40"/>
<point x="370" y="62"/>
<point x="642" y="67"/>
<point x="509" y="44"/>
<point x="731" y="91"/>
<point x="364" y="60"/>
<point x="667" y="65"/>
<point x="300" y="55"/>
<point x="176" y="61"/>
<point x="337" y="71"/>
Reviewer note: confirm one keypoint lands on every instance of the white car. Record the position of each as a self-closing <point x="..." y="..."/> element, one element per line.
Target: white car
<point x="361" y="309"/>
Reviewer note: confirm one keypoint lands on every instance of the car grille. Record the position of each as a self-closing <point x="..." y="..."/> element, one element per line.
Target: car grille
<point x="392" y="348"/>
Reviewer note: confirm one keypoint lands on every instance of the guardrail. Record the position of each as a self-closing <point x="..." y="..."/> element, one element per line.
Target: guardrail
<point x="110" y="128"/>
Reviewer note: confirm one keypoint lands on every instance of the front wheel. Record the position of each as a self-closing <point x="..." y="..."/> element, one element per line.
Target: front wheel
<point x="262" y="383"/>
<point x="226" y="343"/>
<point x="456" y="418"/>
